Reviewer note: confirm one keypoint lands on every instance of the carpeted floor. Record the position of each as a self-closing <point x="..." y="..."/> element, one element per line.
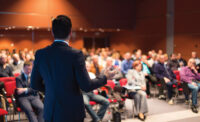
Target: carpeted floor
<point x="159" y="111"/>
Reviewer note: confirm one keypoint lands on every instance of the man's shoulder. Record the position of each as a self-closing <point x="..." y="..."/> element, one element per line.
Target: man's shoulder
<point x="46" y="49"/>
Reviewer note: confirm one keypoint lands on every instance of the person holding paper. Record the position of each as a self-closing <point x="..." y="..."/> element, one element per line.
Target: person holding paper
<point x="137" y="86"/>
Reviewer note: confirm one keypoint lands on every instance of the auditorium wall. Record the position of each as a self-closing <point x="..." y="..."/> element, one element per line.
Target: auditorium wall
<point x="150" y="30"/>
<point x="187" y="27"/>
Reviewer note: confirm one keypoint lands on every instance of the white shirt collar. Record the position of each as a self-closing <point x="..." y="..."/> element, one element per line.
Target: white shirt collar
<point x="61" y="41"/>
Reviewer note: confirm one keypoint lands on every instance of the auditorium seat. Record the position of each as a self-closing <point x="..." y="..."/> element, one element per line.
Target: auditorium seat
<point x="123" y="82"/>
<point x="3" y="113"/>
<point x="6" y="79"/>
<point x="110" y="83"/>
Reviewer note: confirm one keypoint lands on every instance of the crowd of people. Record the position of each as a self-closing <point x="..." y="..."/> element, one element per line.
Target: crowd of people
<point x="141" y="71"/>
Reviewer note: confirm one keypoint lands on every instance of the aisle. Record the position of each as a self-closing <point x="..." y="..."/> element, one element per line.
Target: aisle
<point x="160" y="111"/>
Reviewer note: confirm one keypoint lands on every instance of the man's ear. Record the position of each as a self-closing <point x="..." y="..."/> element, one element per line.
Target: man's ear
<point x="70" y="35"/>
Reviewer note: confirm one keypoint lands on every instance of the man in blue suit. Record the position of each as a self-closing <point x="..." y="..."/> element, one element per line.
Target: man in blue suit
<point x="60" y="71"/>
<point x="28" y="98"/>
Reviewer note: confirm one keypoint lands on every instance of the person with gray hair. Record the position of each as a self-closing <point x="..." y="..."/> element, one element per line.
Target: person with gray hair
<point x="190" y="75"/>
<point x="17" y="64"/>
<point x="5" y="70"/>
<point x="194" y="55"/>
<point x="109" y="65"/>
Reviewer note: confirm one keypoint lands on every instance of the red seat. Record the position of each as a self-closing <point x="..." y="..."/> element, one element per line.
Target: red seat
<point x="10" y="88"/>
<point x="123" y="82"/>
<point x="180" y="89"/>
<point x="111" y="84"/>
<point x="159" y="85"/>
<point x="19" y="109"/>
<point x="177" y="73"/>
<point x="16" y="74"/>
<point x="174" y="86"/>
<point x="3" y="112"/>
<point x="92" y="103"/>
<point x="6" y="79"/>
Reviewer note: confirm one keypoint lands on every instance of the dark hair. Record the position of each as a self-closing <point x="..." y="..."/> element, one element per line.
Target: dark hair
<point x="61" y="27"/>
<point x="28" y="63"/>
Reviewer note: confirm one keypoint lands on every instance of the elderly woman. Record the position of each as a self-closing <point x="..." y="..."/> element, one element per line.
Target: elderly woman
<point x="136" y="86"/>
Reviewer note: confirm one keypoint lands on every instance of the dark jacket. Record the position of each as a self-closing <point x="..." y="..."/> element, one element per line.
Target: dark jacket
<point x="161" y="72"/>
<point x="7" y="72"/>
<point x="21" y="82"/>
<point x="173" y="64"/>
<point x="63" y="71"/>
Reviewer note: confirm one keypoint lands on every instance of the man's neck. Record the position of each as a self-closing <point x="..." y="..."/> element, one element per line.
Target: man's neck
<point x="62" y="40"/>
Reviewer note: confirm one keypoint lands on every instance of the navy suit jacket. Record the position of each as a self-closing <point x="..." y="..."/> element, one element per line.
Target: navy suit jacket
<point x="60" y="71"/>
<point x="21" y="82"/>
<point x="161" y="72"/>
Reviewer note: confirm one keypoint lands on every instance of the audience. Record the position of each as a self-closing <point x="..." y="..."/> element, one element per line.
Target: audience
<point x="140" y="70"/>
<point x="173" y="62"/>
<point x="126" y="63"/>
<point x="182" y="62"/>
<point x="28" y="98"/>
<point x="166" y="77"/>
<point x="116" y="59"/>
<point x="90" y="96"/>
<point x="148" y="75"/>
<point x="96" y="68"/>
<point x="17" y="64"/>
<point x="5" y="70"/>
<point x="117" y="73"/>
<point x="137" y="87"/>
<point x="197" y="59"/>
<point x="190" y="75"/>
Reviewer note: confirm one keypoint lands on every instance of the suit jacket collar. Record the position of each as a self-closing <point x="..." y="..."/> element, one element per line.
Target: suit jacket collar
<point x="59" y="43"/>
<point x="23" y="77"/>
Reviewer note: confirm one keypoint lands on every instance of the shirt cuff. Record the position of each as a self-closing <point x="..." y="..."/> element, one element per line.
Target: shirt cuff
<point x="26" y="92"/>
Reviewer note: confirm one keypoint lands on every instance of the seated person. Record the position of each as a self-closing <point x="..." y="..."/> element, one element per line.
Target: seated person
<point x="173" y="62"/>
<point x="190" y="75"/>
<point x="166" y="77"/>
<point x="95" y="67"/>
<point x="137" y="86"/>
<point x="182" y="62"/>
<point x="126" y="63"/>
<point x="17" y="64"/>
<point x="109" y="65"/>
<point x="28" y="98"/>
<point x="148" y="74"/>
<point x="116" y="62"/>
<point x="5" y="70"/>
<point x="196" y="58"/>
<point x="90" y="96"/>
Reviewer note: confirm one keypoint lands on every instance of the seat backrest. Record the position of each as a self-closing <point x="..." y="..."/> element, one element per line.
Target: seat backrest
<point x="16" y="74"/>
<point x="123" y="82"/>
<point x="110" y="83"/>
<point x="177" y="73"/>
<point x="10" y="87"/>
<point x="7" y="79"/>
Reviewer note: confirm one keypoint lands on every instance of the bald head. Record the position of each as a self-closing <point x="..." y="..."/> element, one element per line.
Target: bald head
<point x="194" y="54"/>
<point x="16" y="57"/>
